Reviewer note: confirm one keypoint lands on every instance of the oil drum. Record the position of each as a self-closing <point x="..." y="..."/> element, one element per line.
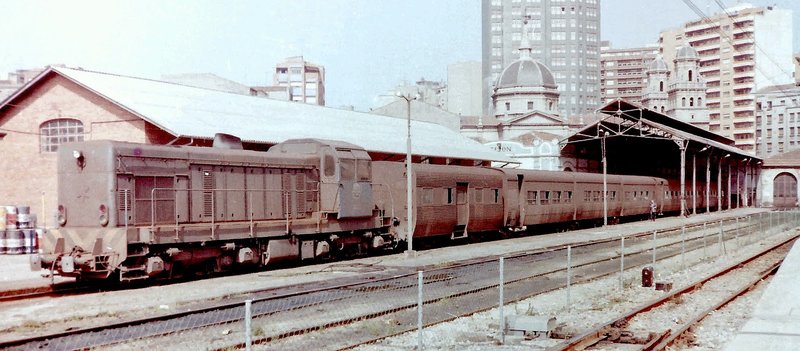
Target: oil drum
<point x="15" y="242"/>
<point x="30" y="240"/>
<point x="11" y="217"/>
<point x="23" y="217"/>
<point x="2" y="218"/>
<point x="3" y="248"/>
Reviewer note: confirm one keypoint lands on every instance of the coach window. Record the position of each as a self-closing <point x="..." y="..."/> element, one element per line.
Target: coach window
<point x="532" y="197"/>
<point x="496" y="195"/>
<point x="55" y="132"/>
<point x="449" y="195"/>
<point x="544" y="197"/>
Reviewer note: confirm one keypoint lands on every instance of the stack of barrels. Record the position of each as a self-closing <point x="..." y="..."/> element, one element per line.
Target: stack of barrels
<point x="18" y="230"/>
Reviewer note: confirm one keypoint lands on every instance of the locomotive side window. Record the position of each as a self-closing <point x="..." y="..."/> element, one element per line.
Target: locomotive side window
<point x="364" y="170"/>
<point x="348" y="169"/>
<point x="329" y="164"/>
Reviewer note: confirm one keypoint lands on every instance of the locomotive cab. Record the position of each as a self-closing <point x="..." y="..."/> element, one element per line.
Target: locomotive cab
<point x="345" y="179"/>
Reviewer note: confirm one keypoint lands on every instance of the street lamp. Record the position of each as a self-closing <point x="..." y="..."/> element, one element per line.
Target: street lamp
<point x="409" y="204"/>
<point x="605" y="178"/>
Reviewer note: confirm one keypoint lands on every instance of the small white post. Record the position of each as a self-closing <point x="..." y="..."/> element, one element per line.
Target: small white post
<point x="248" y="317"/>
<point x="569" y="276"/>
<point x="419" y="310"/>
<point x="501" y="303"/>
<point x="683" y="247"/>
<point x="621" y="262"/>
<point x="721" y="243"/>
<point x="704" y="241"/>
<point x="654" y="251"/>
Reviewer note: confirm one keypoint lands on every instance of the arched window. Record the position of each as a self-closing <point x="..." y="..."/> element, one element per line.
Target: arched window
<point x="55" y="132"/>
<point x="691" y="101"/>
<point x="690" y="75"/>
<point x="661" y="86"/>
<point x="508" y="106"/>
<point x="700" y="102"/>
<point x="683" y="102"/>
<point x="662" y="109"/>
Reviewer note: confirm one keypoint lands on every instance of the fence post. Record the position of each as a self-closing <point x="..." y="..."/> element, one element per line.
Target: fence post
<point x="569" y="276"/>
<point x="738" y="245"/>
<point x="248" y="316"/>
<point x="683" y="247"/>
<point x="705" y="254"/>
<point x="502" y="303"/>
<point x="419" y="310"/>
<point x="621" y="262"/>
<point x="654" y="250"/>
<point x="721" y="242"/>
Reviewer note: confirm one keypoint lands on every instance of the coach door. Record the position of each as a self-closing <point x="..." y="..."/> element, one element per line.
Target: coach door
<point x="785" y="191"/>
<point x="462" y="209"/>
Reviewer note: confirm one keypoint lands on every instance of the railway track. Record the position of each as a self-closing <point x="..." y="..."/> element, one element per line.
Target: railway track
<point x="453" y="292"/>
<point x="617" y="330"/>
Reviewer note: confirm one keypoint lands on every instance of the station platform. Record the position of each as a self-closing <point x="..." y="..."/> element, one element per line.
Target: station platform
<point x="775" y="322"/>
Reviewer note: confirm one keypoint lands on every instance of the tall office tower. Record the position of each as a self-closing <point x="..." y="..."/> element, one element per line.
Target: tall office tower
<point x="464" y="88"/>
<point x="305" y="80"/>
<point x="622" y="72"/>
<point x="565" y="36"/>
<point x="741" y="49"/>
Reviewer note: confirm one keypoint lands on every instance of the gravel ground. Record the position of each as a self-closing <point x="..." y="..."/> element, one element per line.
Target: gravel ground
<point x="599" y="301"/>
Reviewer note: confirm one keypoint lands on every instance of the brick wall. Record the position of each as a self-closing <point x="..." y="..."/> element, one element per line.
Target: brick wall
<point x="27" y="175"/>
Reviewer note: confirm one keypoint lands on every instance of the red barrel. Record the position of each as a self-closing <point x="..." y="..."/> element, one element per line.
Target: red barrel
<point x="11" y="217"/>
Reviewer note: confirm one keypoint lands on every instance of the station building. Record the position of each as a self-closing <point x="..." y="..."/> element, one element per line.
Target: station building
<point x="62" y="105"/>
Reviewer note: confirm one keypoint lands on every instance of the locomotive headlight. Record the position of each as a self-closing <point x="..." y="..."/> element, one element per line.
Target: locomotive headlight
<point x="62" y="215"/>
<point x="79" y="158"/>
<point x="103" y="215"/>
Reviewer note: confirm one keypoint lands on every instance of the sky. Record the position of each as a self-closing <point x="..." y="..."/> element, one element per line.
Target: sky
<point x="367" y="46"/>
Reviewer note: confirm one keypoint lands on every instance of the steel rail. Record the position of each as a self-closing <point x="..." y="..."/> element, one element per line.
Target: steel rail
<point x="598" y="332"/>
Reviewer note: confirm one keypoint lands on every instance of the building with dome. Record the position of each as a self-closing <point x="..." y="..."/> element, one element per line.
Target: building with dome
<point x="680" y="94"/>
<point x="526" y="124"/>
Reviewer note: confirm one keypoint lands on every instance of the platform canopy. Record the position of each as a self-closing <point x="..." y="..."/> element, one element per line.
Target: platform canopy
<point x="625" y="119"/>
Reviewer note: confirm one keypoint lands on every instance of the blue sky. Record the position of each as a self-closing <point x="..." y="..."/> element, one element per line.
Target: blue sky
<point x="366" y="46"/>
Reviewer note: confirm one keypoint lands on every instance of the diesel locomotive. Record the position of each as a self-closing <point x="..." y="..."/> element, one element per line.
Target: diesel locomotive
<point x="132" y="211"/>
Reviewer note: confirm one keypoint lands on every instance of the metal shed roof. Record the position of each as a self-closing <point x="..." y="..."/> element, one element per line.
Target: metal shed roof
<point x="643" y="118"/>
<point x="200" y="113"/>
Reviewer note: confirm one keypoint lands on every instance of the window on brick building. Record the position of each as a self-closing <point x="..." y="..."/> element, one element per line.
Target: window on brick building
<point x="58" y="131"/>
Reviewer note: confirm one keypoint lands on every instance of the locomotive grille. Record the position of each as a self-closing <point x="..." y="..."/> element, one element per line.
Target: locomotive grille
<point x="122" y="195"/>
<point x="208" y="185"/>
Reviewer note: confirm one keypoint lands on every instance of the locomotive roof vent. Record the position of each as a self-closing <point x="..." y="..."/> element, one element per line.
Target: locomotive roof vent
<point x="227" y="141"/>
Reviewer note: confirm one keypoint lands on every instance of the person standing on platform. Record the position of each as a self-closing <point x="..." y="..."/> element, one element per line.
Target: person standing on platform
<point x="653" y="209"/>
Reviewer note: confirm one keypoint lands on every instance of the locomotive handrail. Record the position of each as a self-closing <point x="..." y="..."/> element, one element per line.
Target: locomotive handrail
<point x="286" y="194"/>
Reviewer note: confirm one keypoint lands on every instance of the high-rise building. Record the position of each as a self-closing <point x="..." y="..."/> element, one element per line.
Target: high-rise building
<point x="565" y="36"/>
<point x="797" y="69"/>
<point x="17" y="79"/>
<point x="464" y="88"/>
<point x="306" y="81"/>
<point x="777" y="120"/>
<point x="741" y="49"/>
<point x="622" y="72"/>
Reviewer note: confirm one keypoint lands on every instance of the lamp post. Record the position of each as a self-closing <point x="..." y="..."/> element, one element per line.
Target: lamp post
<point x="605" y="178"/>
<point x="409" y="192"/>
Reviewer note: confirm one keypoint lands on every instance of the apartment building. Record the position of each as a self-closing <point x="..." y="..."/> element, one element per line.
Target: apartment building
<point x="777" y="120"/>
<point x="306" y="81"/>
<point x="622" y="72"/>
<point x="742" y="49"/>
<point x="564" y="35"/>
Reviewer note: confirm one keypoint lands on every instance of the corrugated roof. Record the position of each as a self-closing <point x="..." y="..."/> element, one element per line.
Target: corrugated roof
<point x="200" y="113"/>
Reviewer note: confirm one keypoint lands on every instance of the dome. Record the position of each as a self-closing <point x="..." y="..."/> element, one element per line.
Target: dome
<point x="686" y="51"/>
<point x="526" y="73"/>
<point x="658" y="65"/>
